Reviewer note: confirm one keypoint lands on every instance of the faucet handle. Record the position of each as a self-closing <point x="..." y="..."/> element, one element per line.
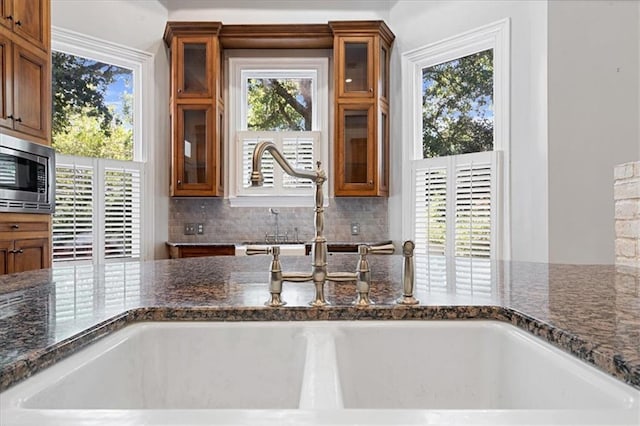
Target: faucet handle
<point x="253" y="250"/>
<point x="386" y="248"/>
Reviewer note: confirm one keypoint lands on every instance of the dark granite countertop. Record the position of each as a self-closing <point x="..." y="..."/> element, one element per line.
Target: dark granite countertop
<point x="592" y="312"/>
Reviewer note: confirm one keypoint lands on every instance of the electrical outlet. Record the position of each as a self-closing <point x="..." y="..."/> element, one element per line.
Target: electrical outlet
<point x="189" y="229"/>
<point x="200" y="228"/>
<point x="355" y="228"/>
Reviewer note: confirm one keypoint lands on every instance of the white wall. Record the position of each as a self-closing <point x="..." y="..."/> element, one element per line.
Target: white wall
<point x="139" y="25"/>
<point x="419" y="23"/>
<point x="593" y="122"/>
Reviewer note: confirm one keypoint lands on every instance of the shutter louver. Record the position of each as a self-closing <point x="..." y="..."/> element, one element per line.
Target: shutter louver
<point x="299" y="153"/>
<point x="473" y="210"/>
<point x="248" y="145"/>
<point x="73" y="221"/>
<point x="122" y="208"/>
<point x="431" y="227"/>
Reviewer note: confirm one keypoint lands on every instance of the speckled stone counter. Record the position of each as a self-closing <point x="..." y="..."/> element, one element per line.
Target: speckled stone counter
<point x="592" y="312"/>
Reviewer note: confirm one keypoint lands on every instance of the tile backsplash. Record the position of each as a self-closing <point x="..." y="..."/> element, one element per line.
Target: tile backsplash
<point x="223" y="223"/>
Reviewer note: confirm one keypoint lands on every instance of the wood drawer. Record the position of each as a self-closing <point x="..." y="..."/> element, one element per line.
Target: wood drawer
<point x="24" y="226"/>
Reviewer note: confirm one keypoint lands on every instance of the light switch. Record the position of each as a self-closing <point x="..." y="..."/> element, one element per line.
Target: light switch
<point x="355" y="228"/>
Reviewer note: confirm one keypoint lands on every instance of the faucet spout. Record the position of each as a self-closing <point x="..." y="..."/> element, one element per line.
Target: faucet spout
<point x="257" y="178"/>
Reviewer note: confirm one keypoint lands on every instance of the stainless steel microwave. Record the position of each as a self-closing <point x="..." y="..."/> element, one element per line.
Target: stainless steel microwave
<point x="27" y="176"/>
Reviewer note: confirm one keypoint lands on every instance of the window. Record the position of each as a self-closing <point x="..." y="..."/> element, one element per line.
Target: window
<point x="458" y="88"/>
<point x="283" y="100"/>
<point x="97" y="134"/>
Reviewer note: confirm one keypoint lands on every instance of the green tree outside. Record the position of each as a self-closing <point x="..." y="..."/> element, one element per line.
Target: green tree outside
<point x="457" y="106"/>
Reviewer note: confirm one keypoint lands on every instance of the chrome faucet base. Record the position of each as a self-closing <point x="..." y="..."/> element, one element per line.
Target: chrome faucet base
<point x="363" y="301"/>
<point x="275" y="301"/>
<point x="407" y="300"/>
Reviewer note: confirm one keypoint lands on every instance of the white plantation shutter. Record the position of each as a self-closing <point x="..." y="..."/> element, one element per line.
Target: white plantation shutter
<point x="73" y="221"/>
<point x="248" y="143"/>
<point x="301" y="150"/>
<point x="122" y="207"/>
<point x="430" y="225"/>
<point x="299" y="153"/>
<point x="456" y="205"/>
<point x="99" y="212"/>
<point x="473" y="209"/>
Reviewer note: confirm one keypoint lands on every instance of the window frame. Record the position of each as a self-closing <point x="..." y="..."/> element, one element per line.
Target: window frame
<point x="141" y="63"/>
<point x="494" y="36"/>
<point x="245" y="63"/>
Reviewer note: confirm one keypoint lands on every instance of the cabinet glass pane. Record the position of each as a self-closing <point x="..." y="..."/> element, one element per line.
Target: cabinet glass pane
<point x="384" y="143"/>
<point x="384" y="83"/>
<point x="355" y="67"/>
<point x="195" y="147"/>
<point x="195" y="68"/>
<point x="355" y="146"/>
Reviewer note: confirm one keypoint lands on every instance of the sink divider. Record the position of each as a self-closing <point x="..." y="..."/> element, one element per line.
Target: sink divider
<point x="321" y="389"/>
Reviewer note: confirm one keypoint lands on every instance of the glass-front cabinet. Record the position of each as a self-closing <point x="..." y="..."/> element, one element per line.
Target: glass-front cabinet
<point x="355" y="157"/>
<point x="356" y="67"/>
<point x="361" y="57"/>
<point x="194" y="76"/>
<point x="196" y="109"/>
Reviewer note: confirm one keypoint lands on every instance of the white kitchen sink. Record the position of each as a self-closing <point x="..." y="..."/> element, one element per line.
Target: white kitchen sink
<point x="375" y="372"/>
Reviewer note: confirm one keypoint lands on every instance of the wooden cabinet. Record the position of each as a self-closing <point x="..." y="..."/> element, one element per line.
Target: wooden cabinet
<point x="197" y="109"/>
<point x="361" y="61"/>
<point x="178" y="251"/>
<point x="25" y="243"/>
<point x="25" y="104"/>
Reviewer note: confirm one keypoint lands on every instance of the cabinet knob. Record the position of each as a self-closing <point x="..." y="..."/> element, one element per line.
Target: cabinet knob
<point x="179" y="90"/>
<point x="9" y="18"/>
<point x="370" y="182"/>
<point x="10" y="116"/>
<point x="16" y="251"/>
<point x="14" y="226"/>
<point x="18" y="23"/>
<point x="18" y="120"/>
<point x="179" y="182"/>
<point x="371" y="89"/>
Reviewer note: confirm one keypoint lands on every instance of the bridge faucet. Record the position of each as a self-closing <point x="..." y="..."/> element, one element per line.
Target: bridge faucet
<point x="319" y="243"/>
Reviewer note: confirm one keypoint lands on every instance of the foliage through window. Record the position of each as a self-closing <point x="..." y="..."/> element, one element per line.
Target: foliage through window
<point x="457" y="106"/>
<point x="283" y="103"/>
<point x="92" y="108"/>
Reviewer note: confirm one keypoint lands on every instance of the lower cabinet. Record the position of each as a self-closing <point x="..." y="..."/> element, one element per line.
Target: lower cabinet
<point x="24" y="255"/>
<point x="179" y="251"/>
<point x="25" y="242"/>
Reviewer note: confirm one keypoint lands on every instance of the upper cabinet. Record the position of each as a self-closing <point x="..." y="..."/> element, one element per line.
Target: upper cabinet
<point x="196" y="105"/>
<point x="25" y="56"/>
<point x="361" y="151"/>
<point x="361" y="51"/>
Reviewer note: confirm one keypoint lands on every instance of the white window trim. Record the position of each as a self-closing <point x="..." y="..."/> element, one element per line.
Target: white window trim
<point x="141" y="63"/>
<point x="494" y="36"/>
<point x="320" y="122"/>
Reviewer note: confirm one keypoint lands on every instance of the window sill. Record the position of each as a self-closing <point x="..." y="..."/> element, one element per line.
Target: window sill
<point x="275" y="201"/>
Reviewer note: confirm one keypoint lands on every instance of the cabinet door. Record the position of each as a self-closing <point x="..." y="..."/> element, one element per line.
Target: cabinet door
<point x="6" y="13"/>
<point x="355" y="153"/>
<point x="31" y="21"/>
<point x="194" y="157"/>
<point x="194" y="67"/>
<point x="6" y="257"/>
<point x="31" y="254"/>
<point x="355" y="67"/>
<point x="6" y="87"/>
<point x="31" y="100"/>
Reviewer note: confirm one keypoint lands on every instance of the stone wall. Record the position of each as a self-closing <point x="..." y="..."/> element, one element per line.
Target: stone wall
<point x="223" y="223"/>
<point x="627" y="213"/>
